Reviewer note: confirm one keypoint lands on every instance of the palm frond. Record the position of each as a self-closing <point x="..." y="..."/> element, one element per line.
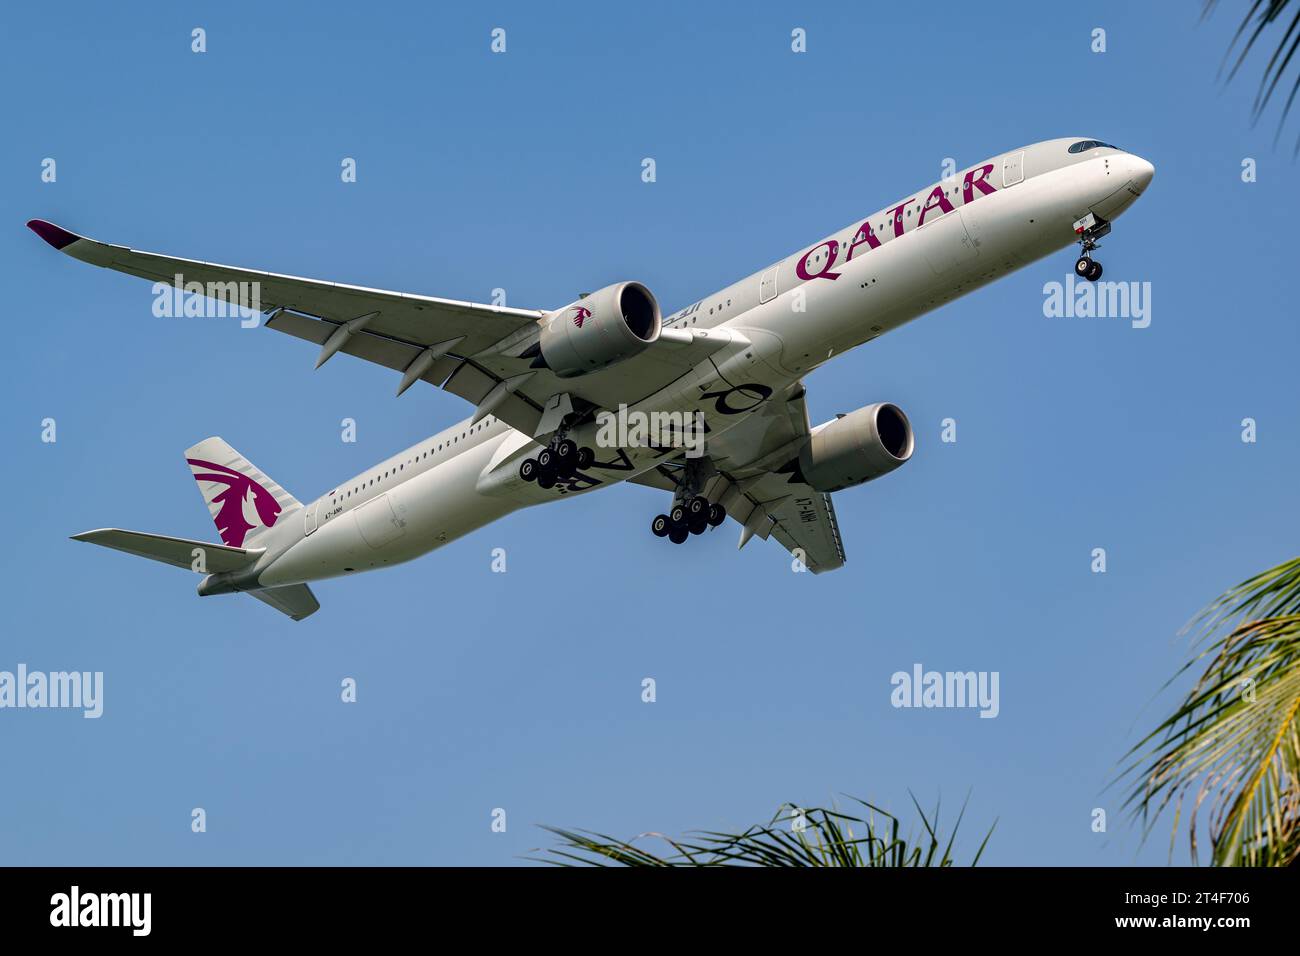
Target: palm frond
<point x="793" y="837"/>
<point x="1265" y="14"/>
<point x="1234" y="742"/>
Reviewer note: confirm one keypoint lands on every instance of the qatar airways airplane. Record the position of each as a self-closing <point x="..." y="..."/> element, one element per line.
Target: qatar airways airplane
<point x="546" y="383"/>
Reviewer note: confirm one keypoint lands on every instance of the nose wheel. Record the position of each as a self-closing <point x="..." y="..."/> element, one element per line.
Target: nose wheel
<point x="1087" y="268"/>
<point x="1090" y="229"/>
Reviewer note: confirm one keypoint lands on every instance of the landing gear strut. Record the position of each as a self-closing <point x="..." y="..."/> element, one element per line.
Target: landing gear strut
<point x="692" y="513"/>
<point x="1090" y="229"/>
<point x="561" y="458"/>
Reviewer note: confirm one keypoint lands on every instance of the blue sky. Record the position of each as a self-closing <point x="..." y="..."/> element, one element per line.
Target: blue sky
<point x="522" y="171"/>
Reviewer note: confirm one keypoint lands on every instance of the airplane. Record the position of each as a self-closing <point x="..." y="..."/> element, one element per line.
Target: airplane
<point x="544" y="383"/>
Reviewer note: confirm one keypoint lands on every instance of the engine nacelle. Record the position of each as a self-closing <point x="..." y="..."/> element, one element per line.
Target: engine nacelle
<point x="862" y="445"/>
<point x="600" y="330"/>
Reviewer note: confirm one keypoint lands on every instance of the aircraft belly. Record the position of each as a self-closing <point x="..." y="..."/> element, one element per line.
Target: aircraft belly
<point x="417" y="516"/>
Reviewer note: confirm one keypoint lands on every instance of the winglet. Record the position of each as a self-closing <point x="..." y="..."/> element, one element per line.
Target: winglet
<point x="56" y="236"/>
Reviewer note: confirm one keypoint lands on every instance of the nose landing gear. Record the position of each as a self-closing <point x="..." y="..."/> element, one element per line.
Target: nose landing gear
<point x="1087" y="268"/>
<point x="1090" y="229"/>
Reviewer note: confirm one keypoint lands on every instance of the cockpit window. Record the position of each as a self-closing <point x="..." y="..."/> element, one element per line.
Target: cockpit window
<point x="1084" y="145"/>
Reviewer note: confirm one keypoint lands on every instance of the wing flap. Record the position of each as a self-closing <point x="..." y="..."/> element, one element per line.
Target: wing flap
<point x="805" y="525"/>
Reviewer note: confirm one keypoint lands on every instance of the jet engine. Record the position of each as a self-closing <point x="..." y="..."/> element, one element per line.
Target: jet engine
<point x="599" y="330"/>
<point x="856" y="447"/>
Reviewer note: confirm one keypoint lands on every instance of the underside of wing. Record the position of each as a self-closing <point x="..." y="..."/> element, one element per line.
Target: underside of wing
<point x="800" y="518"/>
<point x="486" y="354"/>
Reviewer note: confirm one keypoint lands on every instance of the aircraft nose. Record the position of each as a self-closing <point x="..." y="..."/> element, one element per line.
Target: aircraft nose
<point x="1143" y="173"/>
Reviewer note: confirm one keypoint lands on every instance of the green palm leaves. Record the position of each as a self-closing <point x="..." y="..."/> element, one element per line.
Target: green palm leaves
<point x="1233" y="746"/>
<point x="793" y="837"/>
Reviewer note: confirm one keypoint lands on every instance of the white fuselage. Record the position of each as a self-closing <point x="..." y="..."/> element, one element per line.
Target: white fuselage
<point x="877" y="273"/>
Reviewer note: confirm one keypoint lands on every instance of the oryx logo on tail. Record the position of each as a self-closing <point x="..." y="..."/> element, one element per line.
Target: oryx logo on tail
<point x="241" y="498"/>
<point x="231" y="517"/>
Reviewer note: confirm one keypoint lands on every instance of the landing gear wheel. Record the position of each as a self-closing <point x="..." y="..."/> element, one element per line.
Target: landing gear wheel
<point x="678" y="535"/>
<point x="717" y="515"/>
<point x="697" y="508"/>
<point x="546" y="459"/>
<point x="698" y="525"/>
<point x="1094" y="273"/>
<point x="546" y="477"/>
<point x="586" y="457"/>
<point x="678" y="515"/>
<point x="660" y="526"/>
<point x="528" y="469"/>
<point x="566" y="456"/>
<point x="1082" y="266"/>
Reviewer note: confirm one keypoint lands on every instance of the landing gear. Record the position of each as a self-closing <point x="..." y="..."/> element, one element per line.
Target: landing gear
<point x="1087" y="268"/>
<point x="692" y="513"/>
<point x="561" y="459"/>
<point x="1090" y="229"/>
<point x="695" y="515"/>
<point x="566" y="455"/>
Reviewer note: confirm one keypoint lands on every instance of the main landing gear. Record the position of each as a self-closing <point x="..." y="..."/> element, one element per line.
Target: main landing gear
<point x="691" y="513"/>
<point x="1090" y="229"/>
<point x="687" y="517"/>
<point x="562" y="458"/>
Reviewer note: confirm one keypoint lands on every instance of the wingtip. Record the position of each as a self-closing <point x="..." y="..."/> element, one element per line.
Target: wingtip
<point x="56" y="236"/>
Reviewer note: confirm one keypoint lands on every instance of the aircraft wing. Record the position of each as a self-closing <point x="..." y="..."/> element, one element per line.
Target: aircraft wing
<point x="801" y="519"/>
<point x="755" y="483"/>
<point x="469" y="349"/>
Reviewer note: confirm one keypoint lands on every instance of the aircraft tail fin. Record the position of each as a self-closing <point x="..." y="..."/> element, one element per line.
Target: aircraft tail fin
<point x="242" y="500"/>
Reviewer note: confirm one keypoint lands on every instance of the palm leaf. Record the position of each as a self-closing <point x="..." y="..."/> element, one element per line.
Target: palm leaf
<point x="1233" y="745"/>
<point x="827" y="838"/>
<point x="1261" y="16"/>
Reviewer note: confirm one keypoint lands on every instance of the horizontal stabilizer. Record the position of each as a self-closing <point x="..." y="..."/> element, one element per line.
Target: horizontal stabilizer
<point x="178" y="552"/>
<point x="295" y="600"/>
